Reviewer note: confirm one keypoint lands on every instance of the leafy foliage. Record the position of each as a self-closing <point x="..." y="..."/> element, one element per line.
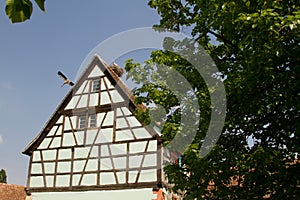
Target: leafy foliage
<point x="21" y="10"/>
<point x="3" y="176"/>
<point x="256" y="46"/>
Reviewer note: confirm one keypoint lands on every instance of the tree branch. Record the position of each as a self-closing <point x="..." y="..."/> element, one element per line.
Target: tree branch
<point x="222" y="38"/>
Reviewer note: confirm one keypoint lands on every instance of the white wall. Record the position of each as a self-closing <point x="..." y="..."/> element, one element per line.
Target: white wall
<point x="131" y="194"/>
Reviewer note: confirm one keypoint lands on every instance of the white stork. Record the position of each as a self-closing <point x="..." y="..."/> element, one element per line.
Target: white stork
<point x="65" y="79"/>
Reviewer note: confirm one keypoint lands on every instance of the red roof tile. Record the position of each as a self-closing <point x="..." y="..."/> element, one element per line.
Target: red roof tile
<point x="12" y="192"/>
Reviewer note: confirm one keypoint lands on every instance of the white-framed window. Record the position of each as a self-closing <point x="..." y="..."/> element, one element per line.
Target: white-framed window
<point x="95" y="85"/>
<point x="92" y="121"/>
<point x="82" y="121"/>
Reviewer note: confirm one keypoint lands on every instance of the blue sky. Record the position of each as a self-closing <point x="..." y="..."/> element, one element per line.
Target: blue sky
<point x="32" y="52"/>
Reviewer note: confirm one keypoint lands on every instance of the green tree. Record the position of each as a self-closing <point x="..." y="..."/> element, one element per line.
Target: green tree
<point x="21" y="10"/>
<point x="3" y="176"/>
<point x="256" y="46"/>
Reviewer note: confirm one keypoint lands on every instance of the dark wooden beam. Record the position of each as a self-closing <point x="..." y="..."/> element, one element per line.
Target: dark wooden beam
<point x="93" y="188"/>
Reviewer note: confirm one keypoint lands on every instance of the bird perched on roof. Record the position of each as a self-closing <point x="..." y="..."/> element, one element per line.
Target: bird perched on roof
<point x="65" y="79"/>
<point x="117" y="69"/>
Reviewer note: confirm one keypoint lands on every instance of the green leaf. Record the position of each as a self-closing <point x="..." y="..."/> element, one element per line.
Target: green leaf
<point x="18" y="10"/>
<point x="41" y="4"/>
<point x="255" y="45"/>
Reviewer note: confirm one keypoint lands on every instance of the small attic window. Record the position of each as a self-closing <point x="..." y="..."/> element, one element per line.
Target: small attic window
<point x="96" y="85"/>
<point x="92" y="121"/>
<point x="82" y="121"/>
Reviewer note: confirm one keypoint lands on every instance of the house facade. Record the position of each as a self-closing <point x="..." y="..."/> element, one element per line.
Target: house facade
<point x="93" y="147"/>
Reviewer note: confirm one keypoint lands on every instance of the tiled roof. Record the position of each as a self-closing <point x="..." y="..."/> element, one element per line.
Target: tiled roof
<point x="12" y="192"/>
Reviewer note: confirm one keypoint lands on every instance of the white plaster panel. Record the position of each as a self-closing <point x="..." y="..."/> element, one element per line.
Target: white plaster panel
<point x="100" y="117"/>
<point x="104" y="150"/>
<point x="92" y="165"/>
<point x="104" y="98"/>
<point x="49" y="181"/>
<point x="63" y="167"/>
<point x="81" y="152"/>
<point x="45" y="143"/>
<point x="152" y="146"/>
<point x="72" y="103"/>
<point x="65" y="154"/>
<point x="52" y="131"/>
<point x="120" y="162"/>
<point x="118" y="149"/>
<point x="83" y="101"/>
<point x="135" y="161"/>
<point x="80" y="90"/>
<point x="94" y="99"/>
<point x="62" y="180"/>
<point x="105" y="164"/>
<point x="106" y="135"/>
<point x="102" y="87"/>
<point x="132" y="176"/>
<point x="121" y="123"/>
<point x="123" y="135"/>
<point x="78" y="165"/>
<point x="59" y="131"/>
<point x="89" y="179"/>
<point x="109" y="119"/>
<point x="49" y="167"/>
<point x="94" y="152"/>
<point x="133" y="122"/>
<point x="107" y="178"/>
<point x="79" y="137"/>
<point x="67" y="125"/>
<point x="36" y="156"/>
<point x="116" y="97"/>
<point x="150" y="160"/>
<point x="76" y="179"/>
<point x="73" y="121"/>
<point x="36" y="181"/>
<point x="68" y="140"/>
<point x="141" y="133"/>
<point x="90" y="136"/>
<point x="60" y="120"/>
<point x="126" y="111"/>
<point x="121" y="177"/>
<point x="55" y="142"/>
<point x="148" y="175"/>
<point x="96" y="72"/>
<point x="49" y="154"/>
<point x="36" y="168"/>
<point x="86" y="89"/>
<point x="119" y="112"/>
<point x="137" y="147"/>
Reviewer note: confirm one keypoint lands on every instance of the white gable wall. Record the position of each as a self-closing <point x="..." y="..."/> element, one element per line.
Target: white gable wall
<point x="116" y="152"/>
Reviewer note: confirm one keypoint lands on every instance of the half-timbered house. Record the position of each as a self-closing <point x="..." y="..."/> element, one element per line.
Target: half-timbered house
<point x="93" y="147"/>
